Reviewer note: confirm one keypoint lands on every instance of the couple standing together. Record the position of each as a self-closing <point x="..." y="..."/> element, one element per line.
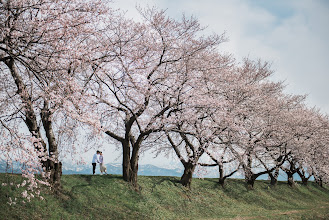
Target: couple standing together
<point x="98" y="158"/>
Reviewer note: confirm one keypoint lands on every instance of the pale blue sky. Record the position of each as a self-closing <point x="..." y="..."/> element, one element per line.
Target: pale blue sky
<point x="293" y="35"/>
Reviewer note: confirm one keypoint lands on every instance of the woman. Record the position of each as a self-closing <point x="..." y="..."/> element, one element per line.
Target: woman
<point x="102" y="168"/>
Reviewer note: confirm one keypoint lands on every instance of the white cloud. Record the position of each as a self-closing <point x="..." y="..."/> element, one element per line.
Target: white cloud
<point x="291" y="34"/>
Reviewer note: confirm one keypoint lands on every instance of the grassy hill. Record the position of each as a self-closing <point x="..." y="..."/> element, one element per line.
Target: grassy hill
<point x="109" y="197"/>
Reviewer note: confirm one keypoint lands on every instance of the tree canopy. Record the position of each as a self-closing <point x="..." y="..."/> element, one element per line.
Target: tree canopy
<point x="79" y="63"/>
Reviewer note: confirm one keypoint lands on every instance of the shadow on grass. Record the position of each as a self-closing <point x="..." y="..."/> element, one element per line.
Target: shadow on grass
<point x="82" y="198"/>
<point x="173" y="180"/>
<point x="84" y="182"/>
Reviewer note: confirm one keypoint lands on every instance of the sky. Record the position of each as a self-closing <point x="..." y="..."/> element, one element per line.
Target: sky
<point x="292" y="35"/>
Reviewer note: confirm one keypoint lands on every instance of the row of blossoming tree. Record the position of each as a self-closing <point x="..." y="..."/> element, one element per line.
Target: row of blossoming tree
<point x="69" y="66"/>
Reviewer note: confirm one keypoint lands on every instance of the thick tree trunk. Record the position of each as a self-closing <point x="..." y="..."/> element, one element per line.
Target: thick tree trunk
<point x="126" y="168"/>
<point x="249" y="176"/>
<point x="304" y="181"/>
<point x="273" y="180"/>
<point x="54" y="166"/>
<point x="186" y="178"/>
<point x="302" y="174"/>
<point x="55" y="172"/>
<point x="290" y="173"/>
<point x="133" y="174"/>
<point x="250" y="181"/>
<point x="274" y="177"/>
<point x="130" y="159"/>
<point x="134" y="162"/>
<point x="221" y="179"/>
<point x="291" y="181"/>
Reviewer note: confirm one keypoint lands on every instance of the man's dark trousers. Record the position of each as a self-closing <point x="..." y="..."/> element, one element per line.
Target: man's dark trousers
<point x="94" y="167"/>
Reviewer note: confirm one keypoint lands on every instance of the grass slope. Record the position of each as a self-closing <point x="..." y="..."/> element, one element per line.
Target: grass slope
<point x="109" y="197"/>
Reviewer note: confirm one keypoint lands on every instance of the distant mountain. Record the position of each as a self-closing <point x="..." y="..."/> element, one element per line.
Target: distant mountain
<point x="9" y="168"/>
<point x="151" y="170"/>
<point x="115" y="168"/>
<point x="112" y="168"/>
<point x="143" y="170"/>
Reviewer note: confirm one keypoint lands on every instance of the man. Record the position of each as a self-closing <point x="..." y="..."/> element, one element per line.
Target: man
<point x="95" y="160"/>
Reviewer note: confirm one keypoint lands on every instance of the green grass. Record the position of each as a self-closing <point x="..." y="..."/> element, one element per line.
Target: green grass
<point x="109" y="197"/>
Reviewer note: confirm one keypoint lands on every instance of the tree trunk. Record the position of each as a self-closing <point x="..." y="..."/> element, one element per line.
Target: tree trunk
<point x="54" y="166"/>
<point x="291" y="181"/>
<point x="221" y="179"/>
<point x="302" y="175"/>
<point x="249" y="176"/>
<point x="250" y="181"/>
<point x="136" y="144"/>
<point x="318" y="180"/>
<point x="134" y="163"/>
<point x="304" y="181"/>
<point x="133" y="174"/>
<point x="186" y="178"/>
<point x="274" y="180"/>
<point x="126" y="168"/>
<point x="55" y="172"/>
<point x="274" y="177"/>
<point x="130" y="159"/>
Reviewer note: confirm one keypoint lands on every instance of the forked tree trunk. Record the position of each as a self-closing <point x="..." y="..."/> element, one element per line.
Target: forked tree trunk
<point x="53" y="166"/>
<point x="302" y="175"/>
<point x="274" y="177"/>
<point x="126" y="167"/>
<point x="55" y="173"/>
<point x="251" y="177"/>
<point x="130" y="159"/>
<point x="186" y="178"/>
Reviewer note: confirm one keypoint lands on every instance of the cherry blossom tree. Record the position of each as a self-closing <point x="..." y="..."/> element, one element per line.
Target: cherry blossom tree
<point x="141" y="78"/>
<point x="226" y="162"/>
<point x="253" y="117"/>
<point x="42" y="44"/>
<point x="311" y="134"/>
<point x="189" y="140"/>
<point x="244" y="94"/>
<point x="195" y="128"/>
